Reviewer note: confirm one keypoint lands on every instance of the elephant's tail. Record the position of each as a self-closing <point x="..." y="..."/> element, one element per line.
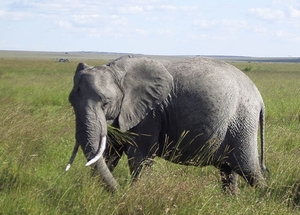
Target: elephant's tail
<point x="262" y="141"/>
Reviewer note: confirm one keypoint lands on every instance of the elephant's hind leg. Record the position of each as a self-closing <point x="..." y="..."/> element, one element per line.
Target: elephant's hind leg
<point x="229" y="179"/>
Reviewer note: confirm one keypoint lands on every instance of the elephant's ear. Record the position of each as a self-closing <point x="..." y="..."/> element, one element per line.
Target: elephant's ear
<point x="146" y="84"/>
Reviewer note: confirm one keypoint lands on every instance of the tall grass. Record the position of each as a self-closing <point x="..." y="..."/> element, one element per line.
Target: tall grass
<point x="37" y="136"/>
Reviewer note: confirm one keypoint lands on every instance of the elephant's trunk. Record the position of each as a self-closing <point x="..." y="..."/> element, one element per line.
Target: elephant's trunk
<point x="91" y="136"/>
<point x="101" y="167"/>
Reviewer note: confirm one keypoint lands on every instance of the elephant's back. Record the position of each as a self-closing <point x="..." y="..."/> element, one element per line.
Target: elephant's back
<point x="205" y="79"/>
<point x="211" y="76"/>
<point x="200" y="67"/>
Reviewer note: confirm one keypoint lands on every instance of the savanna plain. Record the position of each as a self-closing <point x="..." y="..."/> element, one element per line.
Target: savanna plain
<point x="37" y="135"/>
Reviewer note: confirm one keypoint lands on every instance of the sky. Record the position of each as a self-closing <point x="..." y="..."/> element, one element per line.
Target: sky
<point x="258" y="28"/>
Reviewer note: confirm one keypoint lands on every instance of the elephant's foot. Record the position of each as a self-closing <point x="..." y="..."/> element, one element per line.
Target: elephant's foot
<point x="229" y="180"/>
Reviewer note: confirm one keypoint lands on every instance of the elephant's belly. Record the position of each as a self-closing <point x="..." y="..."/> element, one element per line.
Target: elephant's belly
<point x="195" y="151"/>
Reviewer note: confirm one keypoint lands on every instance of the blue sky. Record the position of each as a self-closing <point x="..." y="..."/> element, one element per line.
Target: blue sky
<point x="163" y="27"/>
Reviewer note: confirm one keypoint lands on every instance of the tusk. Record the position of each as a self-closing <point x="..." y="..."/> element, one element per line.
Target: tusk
<point x="75" y="149"/>
<point x="100" y="153"/>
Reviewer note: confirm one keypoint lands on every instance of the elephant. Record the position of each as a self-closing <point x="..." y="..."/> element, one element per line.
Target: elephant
<point x="196" y="111"/>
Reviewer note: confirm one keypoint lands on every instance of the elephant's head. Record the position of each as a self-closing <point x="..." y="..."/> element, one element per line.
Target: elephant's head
<point x="123" y="91"/>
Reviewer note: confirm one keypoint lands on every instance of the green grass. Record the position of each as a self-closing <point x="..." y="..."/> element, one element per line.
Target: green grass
<point x="37" y="136"/>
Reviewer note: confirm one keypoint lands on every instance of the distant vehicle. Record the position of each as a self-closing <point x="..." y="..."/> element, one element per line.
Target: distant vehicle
<point x="63" y="60"/>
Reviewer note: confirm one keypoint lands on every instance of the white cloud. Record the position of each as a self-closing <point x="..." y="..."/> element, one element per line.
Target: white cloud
<point x="286" y="2"/>
<point x="131" y="9"/>
<point x="234" y="23"/>
<point x="141" y="31"/>
<point x="206" y="37"/>
<point x="205" y="23"/>
<point x="259" y="30"/>
<point x="167" y="8"/>
<point x="294" y="13"/>
<point x="267" y="14"/>
<point x="224" y="24"/>
<point x="15" y="15"/>
<point x="53" y="9"/>
<point x="150" y="33"/>
<point x="196" y="37"/>
<point x="288" y="36"/>
<point x="64" y="24"/>
<point x="189" y="9"/>
<point x="97" y="20"/>
<point x="139" y="9"/>
<point x="84" y="18"/>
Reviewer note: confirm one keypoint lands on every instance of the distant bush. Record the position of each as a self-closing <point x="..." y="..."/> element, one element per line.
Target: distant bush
<point x="247" y="69"/>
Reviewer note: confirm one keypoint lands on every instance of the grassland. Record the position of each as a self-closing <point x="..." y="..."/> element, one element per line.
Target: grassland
<point x="37" y="135"/>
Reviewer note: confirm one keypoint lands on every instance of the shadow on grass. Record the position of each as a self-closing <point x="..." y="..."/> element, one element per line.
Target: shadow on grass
<point x="9" y="179"/>
<point x="288" y="193"/>
<point x="295" y="195"/>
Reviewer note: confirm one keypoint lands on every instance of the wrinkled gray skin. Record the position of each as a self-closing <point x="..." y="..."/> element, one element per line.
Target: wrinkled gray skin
<point x="212" y="107"/>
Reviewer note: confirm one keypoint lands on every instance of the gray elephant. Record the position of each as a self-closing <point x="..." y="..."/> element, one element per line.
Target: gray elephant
<point x="197" y="111"/>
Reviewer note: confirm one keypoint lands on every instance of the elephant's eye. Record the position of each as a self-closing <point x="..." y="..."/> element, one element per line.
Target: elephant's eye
<point x="105" y="105"/>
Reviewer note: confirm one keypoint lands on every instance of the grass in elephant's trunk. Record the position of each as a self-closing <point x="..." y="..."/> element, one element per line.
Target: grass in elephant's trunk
<point x="116" y="137"/>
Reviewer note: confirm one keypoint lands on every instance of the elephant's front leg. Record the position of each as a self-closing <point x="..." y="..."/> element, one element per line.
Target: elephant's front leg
<point x="141" y="155"/>
<point x="140" y="161"/>
<point x="229" y="179"/>
<point x="113" y="155"/>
